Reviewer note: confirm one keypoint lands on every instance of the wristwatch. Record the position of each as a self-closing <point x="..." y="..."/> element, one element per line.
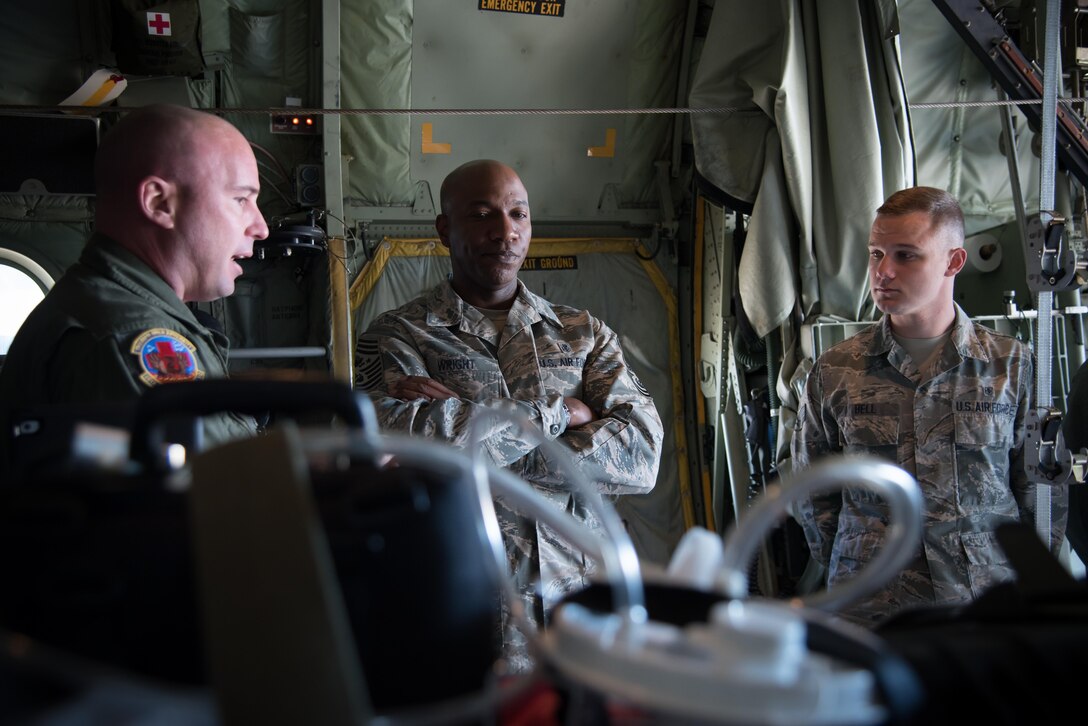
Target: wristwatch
<point x="566" y="415"/>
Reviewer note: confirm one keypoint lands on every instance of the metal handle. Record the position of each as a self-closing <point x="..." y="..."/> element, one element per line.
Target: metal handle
<point x="202" y="398"/>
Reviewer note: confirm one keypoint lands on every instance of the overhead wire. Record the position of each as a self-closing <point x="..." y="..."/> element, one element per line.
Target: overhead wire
<point x="749" y="109"/>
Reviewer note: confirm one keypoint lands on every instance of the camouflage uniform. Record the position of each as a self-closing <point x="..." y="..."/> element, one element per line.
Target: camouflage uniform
<point x="545" y="352"/>
<point x="1075" y="429"/>
<point x="958" y="429"/>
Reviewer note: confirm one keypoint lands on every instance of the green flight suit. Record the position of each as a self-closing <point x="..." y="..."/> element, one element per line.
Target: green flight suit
<point x="108" y="330"/>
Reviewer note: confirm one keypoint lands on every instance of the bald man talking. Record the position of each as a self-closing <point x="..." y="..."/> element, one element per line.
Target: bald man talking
<point x="176" y="209"/>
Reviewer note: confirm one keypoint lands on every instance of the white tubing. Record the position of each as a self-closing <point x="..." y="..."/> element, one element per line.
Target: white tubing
<point x="904" y="531"/>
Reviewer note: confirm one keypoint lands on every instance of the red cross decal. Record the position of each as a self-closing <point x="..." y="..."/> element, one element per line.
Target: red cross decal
<point x="158" y="25"/>
<point x="164" y="356"/>
<point x="170" y="361"/>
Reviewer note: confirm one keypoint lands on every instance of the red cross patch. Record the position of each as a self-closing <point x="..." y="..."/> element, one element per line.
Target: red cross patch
<point x="165" y="356"/>
<point x="158" y="24"/>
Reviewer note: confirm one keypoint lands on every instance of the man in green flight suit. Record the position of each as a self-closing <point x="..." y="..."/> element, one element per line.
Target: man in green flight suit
<point x="176" y="208"/>
<point x="481" y="344"/>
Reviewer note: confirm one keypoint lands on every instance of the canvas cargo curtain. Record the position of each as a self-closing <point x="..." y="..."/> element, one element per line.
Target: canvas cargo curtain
<point x="815" y="136"/>
<point x="818" y="138"/>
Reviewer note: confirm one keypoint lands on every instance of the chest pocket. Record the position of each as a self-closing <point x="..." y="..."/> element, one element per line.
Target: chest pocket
<point x="983" y="443"/>
<point x="562" y="373"/>
<point x="875" y="434"/>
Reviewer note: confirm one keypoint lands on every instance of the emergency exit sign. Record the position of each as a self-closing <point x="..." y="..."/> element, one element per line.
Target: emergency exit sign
<point x="525" y="7"/>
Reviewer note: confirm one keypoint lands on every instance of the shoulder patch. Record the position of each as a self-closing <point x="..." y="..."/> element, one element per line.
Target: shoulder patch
<point x="165" y="356"/>
<point x="368" y="364"/>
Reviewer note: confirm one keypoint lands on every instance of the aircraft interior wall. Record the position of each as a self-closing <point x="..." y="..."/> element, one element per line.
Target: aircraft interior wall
<point x="725" y="244"/>
<point x="965" y="150"/>
<point x="255" y="54"/>
<point x="609" y="174"/>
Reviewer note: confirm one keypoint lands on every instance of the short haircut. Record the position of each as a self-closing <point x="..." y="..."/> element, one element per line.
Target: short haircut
<point x="455" y="178"/>
<point x="942" y="208"/>
<point x="160" y="139"/>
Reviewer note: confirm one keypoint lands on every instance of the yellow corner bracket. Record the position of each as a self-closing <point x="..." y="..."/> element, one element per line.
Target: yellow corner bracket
<point x="430" y="147"/>
<point x="609" y="148"/>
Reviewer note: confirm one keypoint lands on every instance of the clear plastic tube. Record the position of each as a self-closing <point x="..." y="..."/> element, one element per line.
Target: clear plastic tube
<point x="904" y="532"/>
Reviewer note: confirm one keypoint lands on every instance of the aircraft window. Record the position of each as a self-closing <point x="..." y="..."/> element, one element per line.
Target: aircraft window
<point x="20" y="291"/>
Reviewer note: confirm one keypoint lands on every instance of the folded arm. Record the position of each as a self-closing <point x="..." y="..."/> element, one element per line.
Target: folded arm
<point x="408" y="399"/>
<point x="620" y="449"/>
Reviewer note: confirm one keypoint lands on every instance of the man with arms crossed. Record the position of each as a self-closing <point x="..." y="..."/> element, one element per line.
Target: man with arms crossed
<point x="481" y="342"/>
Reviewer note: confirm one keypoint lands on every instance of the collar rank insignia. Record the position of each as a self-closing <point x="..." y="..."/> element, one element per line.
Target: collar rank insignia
<point x="165" y="357"/>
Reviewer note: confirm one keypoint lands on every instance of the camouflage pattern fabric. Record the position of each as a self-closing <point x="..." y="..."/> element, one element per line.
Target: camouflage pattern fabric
<point x="1075" y="429"/>
<point x="544" y="353"/>
<point x="957" y="427"/>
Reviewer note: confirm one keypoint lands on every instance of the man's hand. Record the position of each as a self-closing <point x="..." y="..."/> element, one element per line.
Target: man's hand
<point x="579" y="412"/>
<point x="411" y="388"/>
